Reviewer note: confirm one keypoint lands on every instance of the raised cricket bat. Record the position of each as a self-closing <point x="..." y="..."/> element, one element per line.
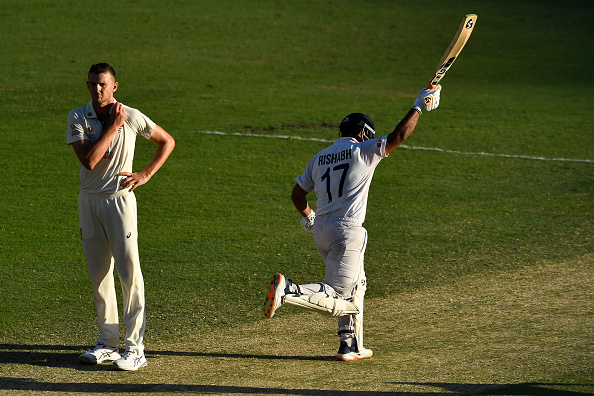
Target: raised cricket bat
<point x="453" y="50"/>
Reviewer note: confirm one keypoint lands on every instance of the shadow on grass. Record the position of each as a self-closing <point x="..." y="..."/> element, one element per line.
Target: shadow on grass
<point x="47" y="356"/>
<point x="241" y="356"/>
<point x="529" y="389"/>
<point x="66" y="357"/>
<point x="59" y="356"/>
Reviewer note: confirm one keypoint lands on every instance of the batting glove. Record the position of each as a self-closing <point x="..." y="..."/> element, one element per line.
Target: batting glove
<point x="428" y="99"/>
<point x="308" y="222"/>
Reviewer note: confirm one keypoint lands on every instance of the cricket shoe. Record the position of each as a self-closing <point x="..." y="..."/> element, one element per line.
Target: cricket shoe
<point x="350" y="353"/>
<point x="100" y="354"/>
<point x="279" y="287"/>
<point x="132" y="359"/>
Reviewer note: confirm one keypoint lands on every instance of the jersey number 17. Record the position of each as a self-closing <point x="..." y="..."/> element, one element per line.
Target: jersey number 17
<point x="326" y="176"/>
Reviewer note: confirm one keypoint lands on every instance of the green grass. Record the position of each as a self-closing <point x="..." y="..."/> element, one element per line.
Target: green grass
<point x="479" y="267"/>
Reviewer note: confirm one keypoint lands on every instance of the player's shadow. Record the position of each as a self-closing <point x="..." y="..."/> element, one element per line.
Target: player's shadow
<point x="528" y="389"/>
<point x="67" y="356"/>
<point x="243" y="356"/>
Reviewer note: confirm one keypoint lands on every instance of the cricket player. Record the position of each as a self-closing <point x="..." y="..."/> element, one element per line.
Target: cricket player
<point x="340" y="176"/>
<point x="103" y="135"/>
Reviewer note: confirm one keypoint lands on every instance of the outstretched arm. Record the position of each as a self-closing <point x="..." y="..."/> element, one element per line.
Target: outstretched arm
<point x="428" y="99"/>
<point x="166" y="144"/>
<point x="402" y="130"/>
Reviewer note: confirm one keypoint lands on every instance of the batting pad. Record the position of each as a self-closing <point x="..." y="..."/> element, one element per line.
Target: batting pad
<point x="322" y="303"/>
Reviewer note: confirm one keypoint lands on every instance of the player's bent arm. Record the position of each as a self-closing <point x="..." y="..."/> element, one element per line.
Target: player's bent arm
<point x="90" y="153"/>
<point x="299" y="198"/>
<point x="166" y="144"/>
<point x="402" y="130"/>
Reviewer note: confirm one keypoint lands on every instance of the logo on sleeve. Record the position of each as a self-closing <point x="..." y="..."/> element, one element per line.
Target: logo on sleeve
<point x="74" y="131"/>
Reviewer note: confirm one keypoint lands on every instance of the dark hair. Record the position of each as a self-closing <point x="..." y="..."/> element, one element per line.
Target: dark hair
<point x="99" y="68"/>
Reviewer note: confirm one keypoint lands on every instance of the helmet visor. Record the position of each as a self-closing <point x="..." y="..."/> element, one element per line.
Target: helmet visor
<point x="368" y="132"/>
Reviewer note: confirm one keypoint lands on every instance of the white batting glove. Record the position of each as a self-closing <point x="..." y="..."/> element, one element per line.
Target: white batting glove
<point x="428" y="99"/>
<point x="308" y="222"/>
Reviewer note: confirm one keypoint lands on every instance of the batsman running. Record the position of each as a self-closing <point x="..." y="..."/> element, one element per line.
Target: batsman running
<point x="340" y="176"/>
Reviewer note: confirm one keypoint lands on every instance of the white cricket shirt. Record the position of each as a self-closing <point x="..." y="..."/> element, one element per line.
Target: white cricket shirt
<point x="340" y="176"/>
<point x="83" y="124"/>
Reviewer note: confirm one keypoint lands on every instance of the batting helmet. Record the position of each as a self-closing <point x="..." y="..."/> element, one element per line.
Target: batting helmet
<point x="354" y="123"/>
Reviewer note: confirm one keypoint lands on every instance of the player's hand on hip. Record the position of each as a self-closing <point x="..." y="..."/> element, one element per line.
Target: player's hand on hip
<point x="428" y="99"/>
<point x="133" y="180"/>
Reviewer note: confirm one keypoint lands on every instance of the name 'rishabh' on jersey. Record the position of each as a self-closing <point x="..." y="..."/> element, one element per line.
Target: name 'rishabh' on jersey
<point x="332" y="158"/>
<point x="340" y="176"/>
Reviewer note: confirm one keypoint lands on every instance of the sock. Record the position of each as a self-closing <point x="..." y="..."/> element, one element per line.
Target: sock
<point x="349" y="338"/>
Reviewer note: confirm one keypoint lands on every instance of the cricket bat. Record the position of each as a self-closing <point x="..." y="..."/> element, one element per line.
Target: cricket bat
<point x="453" y="50"/>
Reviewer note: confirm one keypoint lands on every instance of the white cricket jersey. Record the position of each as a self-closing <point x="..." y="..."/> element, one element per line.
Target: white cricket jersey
<point x="340" y="176"/>
<point x="83" y="124"/>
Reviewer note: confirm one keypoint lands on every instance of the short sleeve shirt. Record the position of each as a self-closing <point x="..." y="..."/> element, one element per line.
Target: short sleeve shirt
<point x="83" y="124"/>
<point x="340" y="176"/>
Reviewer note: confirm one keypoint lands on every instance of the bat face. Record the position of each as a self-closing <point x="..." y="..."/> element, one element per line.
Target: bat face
<point x="454" y="49"/>
<point x="443" y="69"/>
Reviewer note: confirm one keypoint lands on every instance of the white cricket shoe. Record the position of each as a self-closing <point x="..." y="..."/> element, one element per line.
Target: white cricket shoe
<point x="349" y="353"/>
<point x="100" y="354"/>
<point x="275" y="296"/>
<point x="132" y="359"/>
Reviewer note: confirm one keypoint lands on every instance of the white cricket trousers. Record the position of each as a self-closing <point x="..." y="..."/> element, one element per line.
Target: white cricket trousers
<point x="342" y="245"/>
<point x="109" y="234"/>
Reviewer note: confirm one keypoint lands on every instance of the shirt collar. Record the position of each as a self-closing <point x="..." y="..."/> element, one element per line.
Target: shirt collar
<point x="90" y="110"/>
<point x="346" y="139"/>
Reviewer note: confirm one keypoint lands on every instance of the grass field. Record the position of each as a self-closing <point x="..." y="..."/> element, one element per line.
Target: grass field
<point x="480" y="267"/>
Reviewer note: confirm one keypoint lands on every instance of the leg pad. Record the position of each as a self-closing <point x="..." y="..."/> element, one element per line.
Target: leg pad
<point x="322" y="303"/>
